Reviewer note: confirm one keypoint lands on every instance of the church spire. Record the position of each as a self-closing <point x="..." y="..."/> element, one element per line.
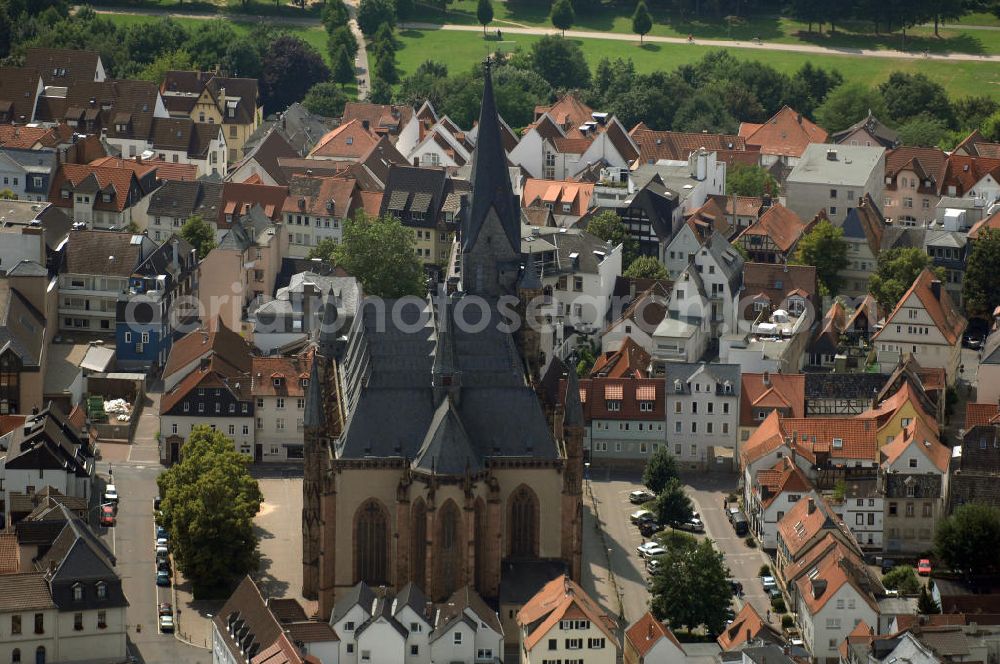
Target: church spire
<point x="491" y="231"/>
<point x="313" y="417"/>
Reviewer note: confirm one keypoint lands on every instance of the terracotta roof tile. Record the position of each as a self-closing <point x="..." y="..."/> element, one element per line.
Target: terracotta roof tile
<point x="839" y="437"/>
<point x="25" y="592"/>
<point x="554" y="600"/>
<point x="381" y="118"/>
<point x="19" y="136"/>
<point x="630" y="361"/>
<point x="778" y="282"/>
<point x="991" y="222"/>
<point x="239" y="197"/>
<point x="571" y="145"/>
<point x="675" y="145"/>
<point x="629" y="392"/>
<point x="119" y="178"/>
<point x="10" y="558"/>
<point x="906" y="394"/>
<point x="783" y="477"/>
<point x="322" y="197"/>
<point x="765" y="439"/>
<point x="977" y="414"/>
<point x="783" y="226"/>
<point x="348" y="141"/>
<point x="371" y="202"/>
<point x="558" y="193"/>
<point x="786" y="134"/>
<point x="918" y="435"/>
<point x="746" y="623"/>
<point x="784" y="388"/>
<point x="964" y="173"/>
<point x="799" y="527"/>
<point x="927" y="163"/>
<point x="833" y="572"/>
<point x="221" y="342"/>
<point x="569" y="112"/>
<point x="290" y="370"/>
<point x="942" y="310"/>
<point x="647" y="632"/>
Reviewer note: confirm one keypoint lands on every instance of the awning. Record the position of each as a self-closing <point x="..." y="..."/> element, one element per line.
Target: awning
<point x="645" y="393"/>
<point x="613" y="392"/>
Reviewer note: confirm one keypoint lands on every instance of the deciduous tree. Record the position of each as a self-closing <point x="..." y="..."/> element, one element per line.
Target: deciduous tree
<point x="848" y="104"/>
<point x="326" y="99"/>
<point x="660" y="469"/>
<point x="381" y="253"/>
<point x="673" y="505"/>
<point x="922" y="131"/>
<point x="373" y="13"/>
<point x="562" y="15"/>
<point x="609" y="227"/>
<point x="484" y="13"/>
<point x="691" y="588"/>
<point x="646" y="267"/>
<point x="199" y="234"/>
<point x="209" y="503"/>
<point x="909" y="95"/>
<point x="642" y="20"/>
<point x="902" y="578"/>
<point x="980" y="294"/>
<point x="750" y="181"/>
<point x="825" y="249"/>
<point x="895" y="272"/>
<point x="968" y="540"/>
<point x="290" y="54"/>
<point x="343" y="67"/>
<point x="334" y="15"/>
<point x="560" y="62"/>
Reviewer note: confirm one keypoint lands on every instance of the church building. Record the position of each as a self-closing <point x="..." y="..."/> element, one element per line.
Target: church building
<point x="429" y="455"/>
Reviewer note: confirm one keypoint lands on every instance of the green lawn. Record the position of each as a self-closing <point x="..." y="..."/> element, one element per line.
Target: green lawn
<point x="265" y="7"/>
<point x="465" y="49"/>
<point x="854" y="35"/>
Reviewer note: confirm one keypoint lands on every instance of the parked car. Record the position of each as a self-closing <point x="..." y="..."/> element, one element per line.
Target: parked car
<point x="641" y="549"/>
<point x="161" y="533"/>
<point x="156" y="503"/>
<point x="641" y="515"/>
<point x="107" y="515"/>
<point x="640" y="496"/>
<point x="973" y="341"/>
<point x="167" y="624"/>
<point x="161" y="541"/>
<point x="774" y="593"/>
<point x="740" y="525"/>
<point x="163" y="565"/>
<point x="693" y="525"/>
<point x="162" y="551"/>
<point x="737" y="587"/>
<point x="924" y="567"/>
<point x="653" y="565"/>
<point x="111" y="494"/>
<point x="653" y="552"/>
<point x="732" y="512"/>
<point x="162" y="578"/>
<point x="165" y="609"/>
<point x="768" y="582"/>
<point x="650" y="528"/>
<point x="887" y="564"/>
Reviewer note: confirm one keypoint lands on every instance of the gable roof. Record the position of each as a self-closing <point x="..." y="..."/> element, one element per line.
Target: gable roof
<point x="348" y="141"/>
<point x="784" y="476"/>
<point x="991" y="222"/>
<point x="677" y="146"/>
<point x="834" y="571"/>
<point x="21" y="327"/>
<point x="941" y="308"/>
<point x="919" y="436"/>
<point x="252" y="623"/>
<point x="568" y="112"/>
<point x="758" y="390"/>
<point x="63" y="66"/>
<point x="764" y="440"/>
<point x="800" y="526"/>
<point x="927" y="163"/>
<point x="379" y="118"/>
<point x="777" y="282"/>
<point x="322" y="197"/>
<point x="747" y="626"/>
<point x="22" y="136"/>
<point x="109" y="253"/>
<point x="786" y="133"/>
<point x="887" y="137"/>
<point x="780" y="224"/>
<point x="630" y="361"/>
<point x="454" y="610"/>
<point x="647" y="631"/>
<point x="557" y="598"/>
<point x="557" y="193"/>
<point x="977" y="414"/>
<point x="219" y="342"/>
<point x="119" y="179"/>
<point x="964" y="172"/>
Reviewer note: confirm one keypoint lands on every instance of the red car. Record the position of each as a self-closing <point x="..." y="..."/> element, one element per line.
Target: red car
<point x="107" y="515"/>
<point x="924" y="567"/>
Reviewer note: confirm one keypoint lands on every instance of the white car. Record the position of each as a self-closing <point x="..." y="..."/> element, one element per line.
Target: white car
<point x="768" y="582"/>
<point x="653" y="552"/>
<point x="110" y="494"/>
<point x="167" y="624"/>
<point x="639" y="497"/>
<point x="640" y="515"/>
<point x="645" y="545"/>
<point x="161" y="541"/>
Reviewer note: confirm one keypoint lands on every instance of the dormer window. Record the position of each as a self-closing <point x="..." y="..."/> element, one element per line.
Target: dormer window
<point x="102" y="590"/>
<point x="350" y="140"/>
<point x="304" y="382"/>
<point x="277" y="381"/>
<point x="106" y="198"/>
<point x="77" y="592"/>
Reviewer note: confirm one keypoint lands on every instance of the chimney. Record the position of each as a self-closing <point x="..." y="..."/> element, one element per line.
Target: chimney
<point x="798" y="118"/>
<point x="831" y="155"/>
<point x="364" y="123"/>
<point x="767" y="378"/>
<point x="936" y="289"/>
<point x="811" y="505"/>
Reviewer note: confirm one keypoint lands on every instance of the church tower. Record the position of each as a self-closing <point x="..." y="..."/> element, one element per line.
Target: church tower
<point x="314" y="458"/>
<point x="491" y="231"/>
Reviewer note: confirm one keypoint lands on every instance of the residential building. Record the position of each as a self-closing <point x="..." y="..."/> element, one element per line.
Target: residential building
<point x="689" y="182"/>
<point x="763" y="393"/>
<point x="682" y="248"/>
<point x="208" y="98"/>
<point x="747" y="627"/>
<point x="95" y="272"/>
<point x="278" y="386"/>
<point x="177" y="201"/>
<point x="720" y="269"/>
<point x="260" y="161"/>
<point x="27" y="173"/>
<point x="769" y="287"/>
<point x="21" y="87"/>
<point x="194" y="348"/>
<point x="774" y="237"/>
<point x="561" y="621"/>
<point x="657" y="146"/>
<point x="176" y="141"/>
<point x="976" y="178"/>
<point x="429" y="202"/>
<point x="239" y="198"/>
<point x="835" y="178"/>
<point x="52" y="221"/>
<point x="862" y="509"/>
<point x="988" y="375"/>
<point x="914" y="179"/>
<point x="309" y="306"/>
<point x="242" y="268"/>
<point x="348" y="142"/>
<point x="869" y="131"/>
<point x="914" y="479"/>
<point x="65" y="66"/>
<point x="638" y="320"/>
<point x="46" y="451"/>
<point x="865" y="233"/>
<point x="624" y="418"/>
<point x="949" y="250"/>
<point x="250" y="627"/>
<point x="825" y="346"/>
<point x="649" y="641"/>
<point x="442" y="144"/>
<point x="647" y="211"/>
<point x="27" y="325"/>
<point x="70" y="606"/>
<point x="731" y="214"/>
<point x="393" y="120"/>
<point x="316" y="210"/>
<point x="156" y="308"/>
<point x="840" y="394"/>
<point x="925" y="323"/>
<point x="782" y="139"/>
<point x="567" y="199"/>
<point x="775" y="343"/>
<point x="975" y="464"/>
<point x="831" y="600"/>
<point x="804" y="527"/>
<point x="775" y="491"/>
<point x="702" y="402"/>
<point x="685" y="331"/>
<point x="105" y="197"/>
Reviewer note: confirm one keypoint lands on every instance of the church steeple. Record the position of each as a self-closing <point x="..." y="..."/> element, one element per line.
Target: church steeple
<point x="491" y="231"/>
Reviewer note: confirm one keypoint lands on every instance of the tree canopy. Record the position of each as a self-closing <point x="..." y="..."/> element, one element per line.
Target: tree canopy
<point x="895" y="272"/>
<point x="660" y="469"/>
<point x="199" y="233"/>
<point x="744" y="180"/>
<point x="909" y="95"/>
<point x="560" y="62"/>
<point x="691" y="588"/>
<point x="484" y="13"/>
<point x="980" y="294"/>
<point x="381" y="253"/>
<point x="642" y="20"/>
<point x="825" y="249"/>
<point x="968" y="540"/>
<point x="563" y="15"/>
<point x="290" y="54"/>
<point x="326" y="99"/>
<point x="646" y="267"/>
<point x="848" y="104"/>
<point x="673" y="505"/>
<point x="373" y="13"/>
<point x="209" y="503"/>
<point x="902" y="578"/>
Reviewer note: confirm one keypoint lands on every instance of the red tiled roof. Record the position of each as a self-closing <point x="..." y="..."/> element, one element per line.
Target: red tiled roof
<point x="10" y="422"/>
<point x="289" y="371"/>
<point x="942" y="310"/>
<point x="561" y="597"/>
<point x="918" y="435"/>
<point x="558" y="193"/>
<point x="747" y="623"/>
<point x="239" y="197"/>
<point x="569" y="112"/>
<point x="120" y="178"/>
<point x="787" y="134"/>
<point x="371" y="202"/>
<point x="964" y="173"/>
<point x="798" y="527"/>
<point x="571" y="145"/>
<point x="321" y="197"/>
<point x="788" y="389"/>
<point x="221" y="342"/>
<point x="927" y="163"/>
<point x="382" y="118"/>
<point x="840" y="437"/>
<point x="833" y="572"/>
<point x="22" y="137"/>
<point x="885" y="411"/>
<point x="10" y="558"/>
<point x="629" y="392"/>
<point x="216" y="373"/>
<point x="630" y="361"/>
<point x="783" y="226"/>
<point x="647" y="632"/>
<point x="991" y="222"/>
<point x="675" y="145"/>
<point x="764" y="440"/>
<point x="783" y="476"/>
<point x="348" y="141"/>
<point x="977" y="414"/>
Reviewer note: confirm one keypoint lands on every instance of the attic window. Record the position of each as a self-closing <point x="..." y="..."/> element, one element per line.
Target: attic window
<point x="77" y="592"/>
<point x="304" y="382"/>
<point x="838" y="443"/>
<point x="350" y="140"/>
<point x="277" y="381"/>
<point x="102" y="590"/>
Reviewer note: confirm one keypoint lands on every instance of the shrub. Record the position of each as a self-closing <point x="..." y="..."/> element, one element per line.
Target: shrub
<point x="750" y="542"/>
<point x="787" y="622"/>
<point x="765" y="570"/>
<point x="778" y="604"/>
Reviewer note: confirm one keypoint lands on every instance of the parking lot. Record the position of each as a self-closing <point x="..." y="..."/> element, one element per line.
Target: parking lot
<point x="707" y="491"/>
